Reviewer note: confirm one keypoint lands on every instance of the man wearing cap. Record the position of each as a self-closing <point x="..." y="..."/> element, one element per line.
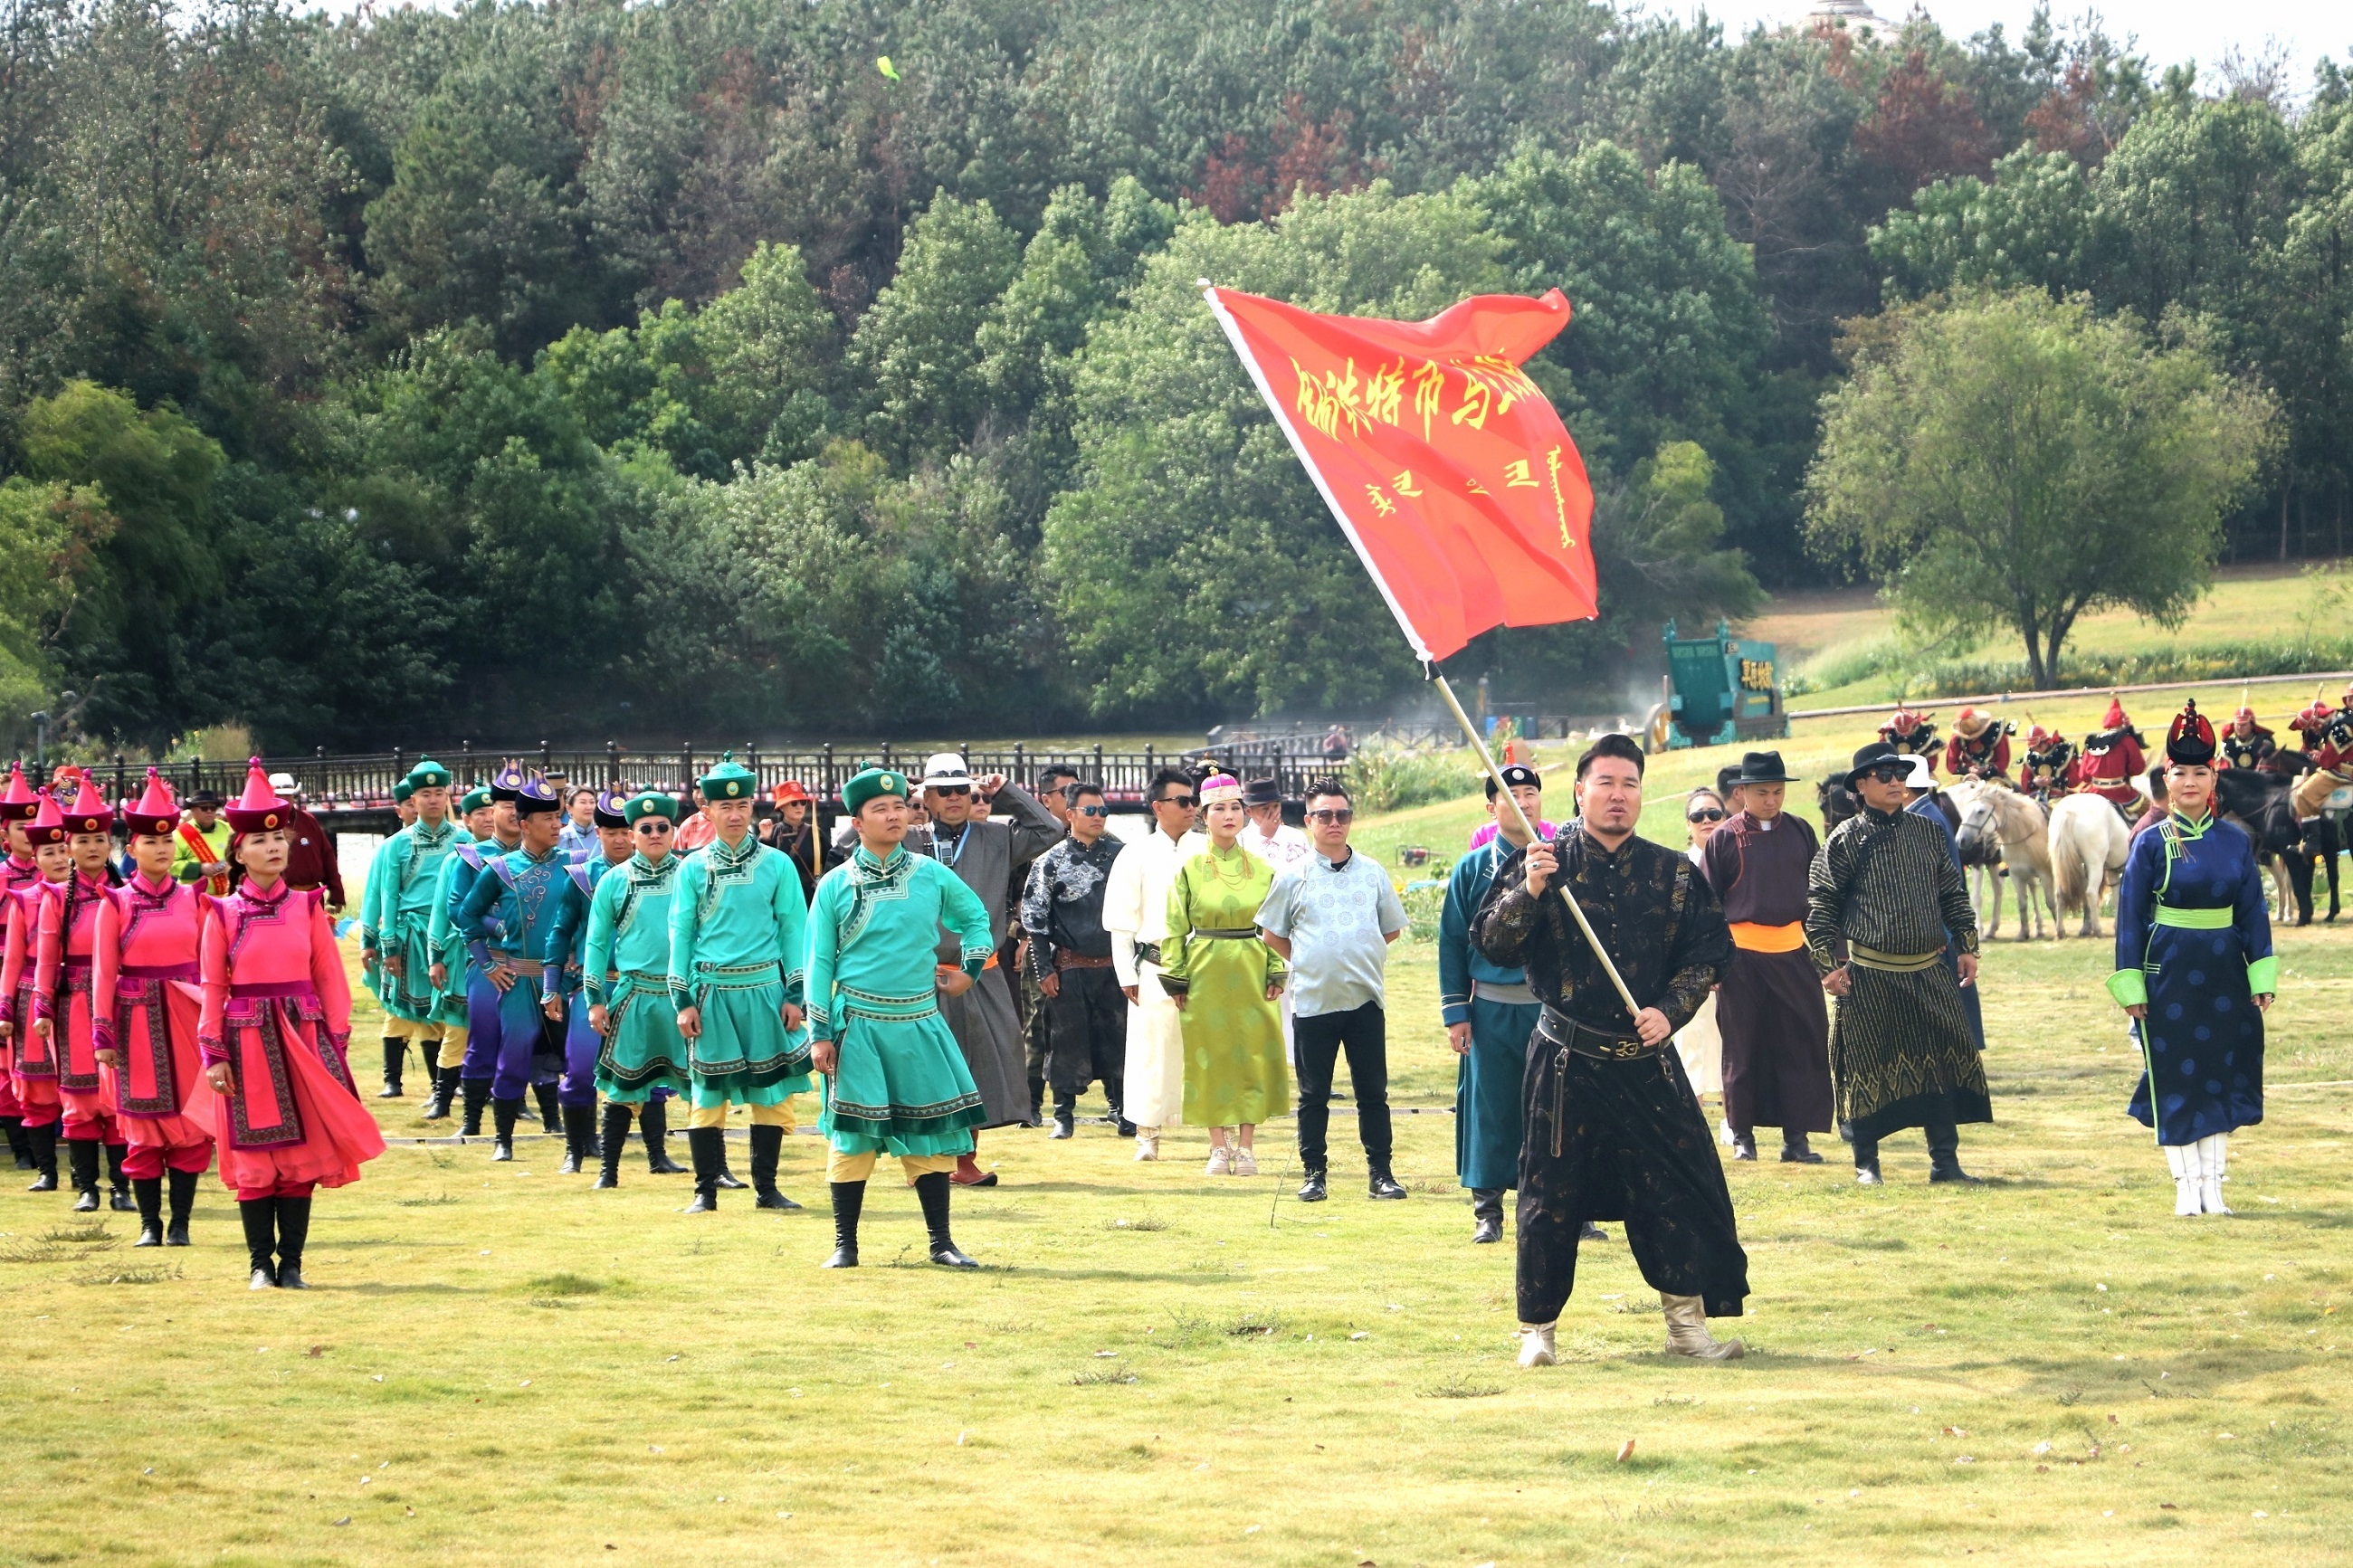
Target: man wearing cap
<point x="1489" y="1013"/>
<point x="988" y="857"/>
<point x="1979" y="747"/>
<point x="624" y="980"/>
<point x="310" y="848"/>
<point x="738" y="953"/>
<point x="793" y="832"/>
<point x="396" y="904"/>
<point x="560" y="983"/>
<point x="1776" y="1067"/>
<point x="1884" y="898"/>
<point x="504" y="918"/>
<point x="1069" y="956"/>
<point x="469" y="1002"/>
<point x="895" y="1078"/>
<point x="201" y="851"/>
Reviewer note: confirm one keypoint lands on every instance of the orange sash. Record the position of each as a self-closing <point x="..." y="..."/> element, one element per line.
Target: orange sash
<point x="1750" y="937"/>
<point x="217" y="886"/>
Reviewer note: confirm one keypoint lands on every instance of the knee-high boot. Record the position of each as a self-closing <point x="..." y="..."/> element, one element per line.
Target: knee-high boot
<point x="579" y="1139"/>
<point x="183" y="1199"/>
<point x="444" y="1082"/>
<point x="260" y="1218"/>
<point x="19" y="1146"/>
<point x="932" y="1192"/>
<point x="504" y="1113"/>
<point x="707" y="1148"/>
<point x="1115" y="1094"/>
<point x="849" y="1198"/>
<point x="2213" y="1154"/>
<point x="477" y="1092"/>
<point x="551" y="1110"/>
<point x="148" y="1193"/>
<point x="616" y="1136"/>
<point x="396" y="1057"/>
<point x="294" y="1230"/>
<point x="653" y="1126"/>
<point x="768" y="1147"/>
<point x="43" y="1141"/>
<point x="81" y="1163"/>
<point x="116" y="1180"/>
<point x="2182" y="1161"/>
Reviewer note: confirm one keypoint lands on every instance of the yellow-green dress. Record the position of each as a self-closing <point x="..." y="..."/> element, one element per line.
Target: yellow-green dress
<point x="1234" y="1070"/>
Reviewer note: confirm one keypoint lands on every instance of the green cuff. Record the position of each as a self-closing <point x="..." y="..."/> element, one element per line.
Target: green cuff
<point x="2262" y="976"/>
<point x="2129" y="987"/>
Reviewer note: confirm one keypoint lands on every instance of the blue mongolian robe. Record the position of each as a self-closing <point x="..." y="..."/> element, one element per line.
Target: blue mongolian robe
<point x="2194" y="942"/>
<point x="1495" y="1001"/>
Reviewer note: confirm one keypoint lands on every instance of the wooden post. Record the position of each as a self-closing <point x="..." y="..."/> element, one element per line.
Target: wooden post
<point x="612" y="764"/>
<point x="826" y="787"/>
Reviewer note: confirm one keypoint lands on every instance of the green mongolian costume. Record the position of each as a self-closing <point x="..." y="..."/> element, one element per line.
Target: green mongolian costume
<point x="1235" y="1075"/>
<point x="397" y="909"/>
<point x="900" y="1084"/>
<point x="625" y="968"/>
<point x="445" y="945"/>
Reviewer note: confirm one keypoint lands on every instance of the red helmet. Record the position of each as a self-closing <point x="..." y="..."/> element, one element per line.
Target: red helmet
<point x="2036" y="735"/>
<point x="2115" y="719"/>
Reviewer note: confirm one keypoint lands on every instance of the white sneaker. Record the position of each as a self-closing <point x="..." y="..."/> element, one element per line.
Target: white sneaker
<point x="1245" y="1162"/>
<point x="1220" y="1164"/>
<point x="1147" y="1143"/>
<point x="1535" y="1346"/>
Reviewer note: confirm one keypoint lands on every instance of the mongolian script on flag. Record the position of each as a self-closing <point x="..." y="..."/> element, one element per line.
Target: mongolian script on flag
<point x="1446" y="467"/>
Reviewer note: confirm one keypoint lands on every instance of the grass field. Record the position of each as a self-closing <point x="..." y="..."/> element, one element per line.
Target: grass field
<point x="497" y="1365"/>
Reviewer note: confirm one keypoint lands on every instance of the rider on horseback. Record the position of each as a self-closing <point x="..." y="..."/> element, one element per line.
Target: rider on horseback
<point x="2112" y="760"/>
<point x="2247" y="744"/>
<point x="2050" y="758"/>
<point x="1980" y="746"/>
<point x="1911" y="733"/>
<point x="2329" y="740"/>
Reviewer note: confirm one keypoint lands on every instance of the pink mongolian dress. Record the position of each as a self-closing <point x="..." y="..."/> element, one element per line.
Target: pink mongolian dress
<point x="17" y="877"/>
<point x="146" y="984"/>
<point x="66" y="982"/>
<point x="276" y="1009"/>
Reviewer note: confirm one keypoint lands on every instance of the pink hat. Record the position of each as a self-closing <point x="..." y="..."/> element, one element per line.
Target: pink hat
<point x="260" y="809"/>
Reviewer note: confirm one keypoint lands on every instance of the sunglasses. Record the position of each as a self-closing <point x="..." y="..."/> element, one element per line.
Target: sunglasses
<point x="653" y="827"/>
<point x="1704" y="814"/>
<point x="1090" y="810"/>
<point x="1888" y="775"/>
<point x="950" y="789"/>
<point x="1343" y="815"/>
<point x="1177" y="800"/>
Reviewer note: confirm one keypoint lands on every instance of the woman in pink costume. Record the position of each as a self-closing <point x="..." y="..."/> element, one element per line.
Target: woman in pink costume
<point x="276" y="1093"/>
<point x="146" y="1025"/>
<point x="33" y="1072"/>
<point x="17" y="808"/>
<point x="65" y="983"/>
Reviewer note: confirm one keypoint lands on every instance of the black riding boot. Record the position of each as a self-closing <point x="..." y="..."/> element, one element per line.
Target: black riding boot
<point x="1115" y="1095"/>
<point x="1066" y="1115"/>
<point x="706" y="1146"/>
<point x="477" y="1092"/>
<point x="617" y="1134"/>
<point x="43" y="1141"/>
<point x="768" y="1147"/>
<point x="1038" y="1100"/>
<point x="445" y="1090"/>
<point x="504" y="1113"/>
<point x="1486" y="1214"/>
<point x="1944" y="1155"/>
<point x="579" y="1139"/>
<point x="396" y="1057"/>
<point x="653" y="1126"/>
<point x="19" y="1144"/>
<point x="148" y="1191"/>
<point x="294" y="1230"/>
<point x="1796" y="1149"/>
<point x="727" y="1180"/>
<point x="260" y="1218"/>
<point x="849" y="1198"/>
<point x="183" y="1198"/>
<point x="116" y="1180"/>
<point x="81" y="1164"/>
<point x="1378" y="1181"/>
<point x="551" y="1110"/>
<point x="932" y="1192"/>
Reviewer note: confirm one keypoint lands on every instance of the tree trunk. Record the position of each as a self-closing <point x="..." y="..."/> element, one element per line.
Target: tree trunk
<point x="2283" y="521"/>
<point x="2036" y="674"/>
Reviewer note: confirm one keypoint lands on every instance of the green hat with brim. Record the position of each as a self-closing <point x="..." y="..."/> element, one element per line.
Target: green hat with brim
<point x="731" y="780"/>
<point x="651" y="803"/>
<point x="427" y="774"/>
<point x="870" y="784"/>
<point x="403" y="790"/>
<point x="473" y="800"/>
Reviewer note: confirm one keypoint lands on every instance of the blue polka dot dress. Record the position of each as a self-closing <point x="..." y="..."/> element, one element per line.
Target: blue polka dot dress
<point x="2194" y="942"/>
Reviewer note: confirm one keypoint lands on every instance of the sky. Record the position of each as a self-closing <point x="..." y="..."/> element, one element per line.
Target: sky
<point x="2170" y="31"/>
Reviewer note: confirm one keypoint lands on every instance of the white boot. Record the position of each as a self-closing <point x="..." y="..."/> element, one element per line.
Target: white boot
<point x="1687" y="1333"/>
<point x="2213" y="1152"/>
<point x="1535" y="1344"/>
<point x="2182" y="1159"/>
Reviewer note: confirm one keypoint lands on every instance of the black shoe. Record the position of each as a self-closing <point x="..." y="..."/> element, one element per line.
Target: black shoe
<point x="706" y="1145"/>
<point x="505" y="1114"/>
<point x="183" y="1186"/>
<point x="1487" y="1227"/>
<point x="47" y="1182"/>
<point x="727" y="1177"/>
<point x="1379" y="1184"/>
<point x="475" y="1093"/>
<point x="849" y="1198"/>
<point x="289" y="1276"/>
<point x="1951" y="1172"/>
<point x="1744" y="1144"/>
<point x="653" y="1126"/>
<point x="1796" y="1150"/>
<point x="1868" y="1176"/>
<point x="121" y="1201"/>
<point x="445" y="1089"/>
<point x="949" y="1257"/>
<point x="148" y="1191"/>
<point x="579" y="1139"/>
<point x="43" y="1141"/>
<point x="1486" y="1215"/>
<point x="1311" y="1190"/>
<point x="19" y="1144"/>
<point x="88" y="1202"/>
<point x="1123" y="1127"/>
<point x="551" y="1110"/>
<point x="1066" y="1116"/>
<point x="395" y="1054"/>
<point x="81" y="1163"/>
<point x="1592" y="1232"/>
<point x="767" y="1146"/>
<point x="616" y="1136"/>
<point x="932" y="1192"/>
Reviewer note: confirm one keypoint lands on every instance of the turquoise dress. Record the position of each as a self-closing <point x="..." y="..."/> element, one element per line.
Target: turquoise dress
<point x="901" y="1086"/>
<point x="625" y="966"/>
<point x="737" y="940"/>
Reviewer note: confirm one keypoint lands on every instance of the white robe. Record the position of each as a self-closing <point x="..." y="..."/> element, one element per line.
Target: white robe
<point x="1135" y="908"/>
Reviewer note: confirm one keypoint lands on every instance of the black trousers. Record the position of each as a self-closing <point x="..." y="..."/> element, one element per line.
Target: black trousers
<point x="1943" y="1142"/>
<point x="1086" y="1030"/>
<point x="1319" y="1039"/>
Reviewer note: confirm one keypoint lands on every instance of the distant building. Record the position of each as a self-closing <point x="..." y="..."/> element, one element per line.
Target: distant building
<point x="1855" y="16"/>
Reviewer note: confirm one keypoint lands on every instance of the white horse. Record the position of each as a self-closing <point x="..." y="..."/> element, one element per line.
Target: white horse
<point x="2088" y="841"/>
<point x="2014" y="828"/>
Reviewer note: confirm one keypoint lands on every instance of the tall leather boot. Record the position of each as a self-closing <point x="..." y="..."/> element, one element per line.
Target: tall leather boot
<point x="445" y="1090"/>
<point x="148" y="1191"/>
<point x="579" y="1139"/>
<point x="1945" y="1156"/>
<point x="43" y="1141"/>
<point x="183" y="1199"/>
<point x="768" y="1147"/>
<point x="653" y="1128"/>
<point x="261" y="1219"/>
<point x="551" y="1110"/>
<point x="1115" y="1094"/>
<point x="932" y="1192"/>
<point x="81" y="1164"/>
<point x="1687" y="1333"/>
<point x="504" y="1113"/>
<point x="1486" y="1214"/>
<point x="1796" y="1149"/>
<point x="1036" y="1101"/>
<point x="849" y="1199"/>
<point x="477" y="1093"/>
<point x="19" y="1144"/>
<point x="616" y="1136"/>
<point x="396" y="1057"/>
<point x="1066" y="1115"/>
<point x="294" y="1230"/>
<point x="706" y="1146"/>
<point x="116" y="1180"/>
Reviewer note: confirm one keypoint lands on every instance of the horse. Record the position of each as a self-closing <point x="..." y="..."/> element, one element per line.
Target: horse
<point x="2322" y="840"/>
<point x="2259" y="801"/>
<point x="1837" y="802"/>
<point x="2011" y="828"/>
<point x="2088" y="842"/>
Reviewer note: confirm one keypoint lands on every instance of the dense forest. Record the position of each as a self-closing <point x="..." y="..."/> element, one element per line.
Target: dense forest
<point x="801" y="365"/>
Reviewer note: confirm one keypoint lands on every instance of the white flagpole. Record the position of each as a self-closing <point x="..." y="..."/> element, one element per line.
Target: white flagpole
<point x="1560" y="881"/>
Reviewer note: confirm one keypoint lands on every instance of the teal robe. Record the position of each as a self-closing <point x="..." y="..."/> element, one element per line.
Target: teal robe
<point x="625" y="966"/>
<point x="737" y="949"/>
<point x="396" y="908"/>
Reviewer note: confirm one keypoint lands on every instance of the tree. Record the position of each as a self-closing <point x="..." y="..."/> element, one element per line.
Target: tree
<point x="2032" y="225"/>
<point x="919" y="346"/>
<point x="2013" y="460"/>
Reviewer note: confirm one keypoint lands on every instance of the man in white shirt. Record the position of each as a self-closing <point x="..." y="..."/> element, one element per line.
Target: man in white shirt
<point x="1135" y="912"/>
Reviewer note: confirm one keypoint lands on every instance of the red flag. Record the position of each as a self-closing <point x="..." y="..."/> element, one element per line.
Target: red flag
<point x="1448" y="470"/>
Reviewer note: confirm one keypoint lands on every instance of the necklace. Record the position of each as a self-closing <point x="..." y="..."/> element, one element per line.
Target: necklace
<point x="1241" y="862"/>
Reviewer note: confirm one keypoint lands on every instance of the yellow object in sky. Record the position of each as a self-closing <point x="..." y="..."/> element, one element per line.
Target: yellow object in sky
<point x="882" y="63"/>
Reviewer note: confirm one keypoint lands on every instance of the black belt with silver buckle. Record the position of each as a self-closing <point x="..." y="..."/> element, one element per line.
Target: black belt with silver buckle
<point x="1583" y="1039"/>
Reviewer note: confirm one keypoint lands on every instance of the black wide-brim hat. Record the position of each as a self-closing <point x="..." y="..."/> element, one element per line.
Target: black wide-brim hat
<point x="1763" y="767"/>
<point x="1873" y="754"/>
<point x="1261" y="792"/>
